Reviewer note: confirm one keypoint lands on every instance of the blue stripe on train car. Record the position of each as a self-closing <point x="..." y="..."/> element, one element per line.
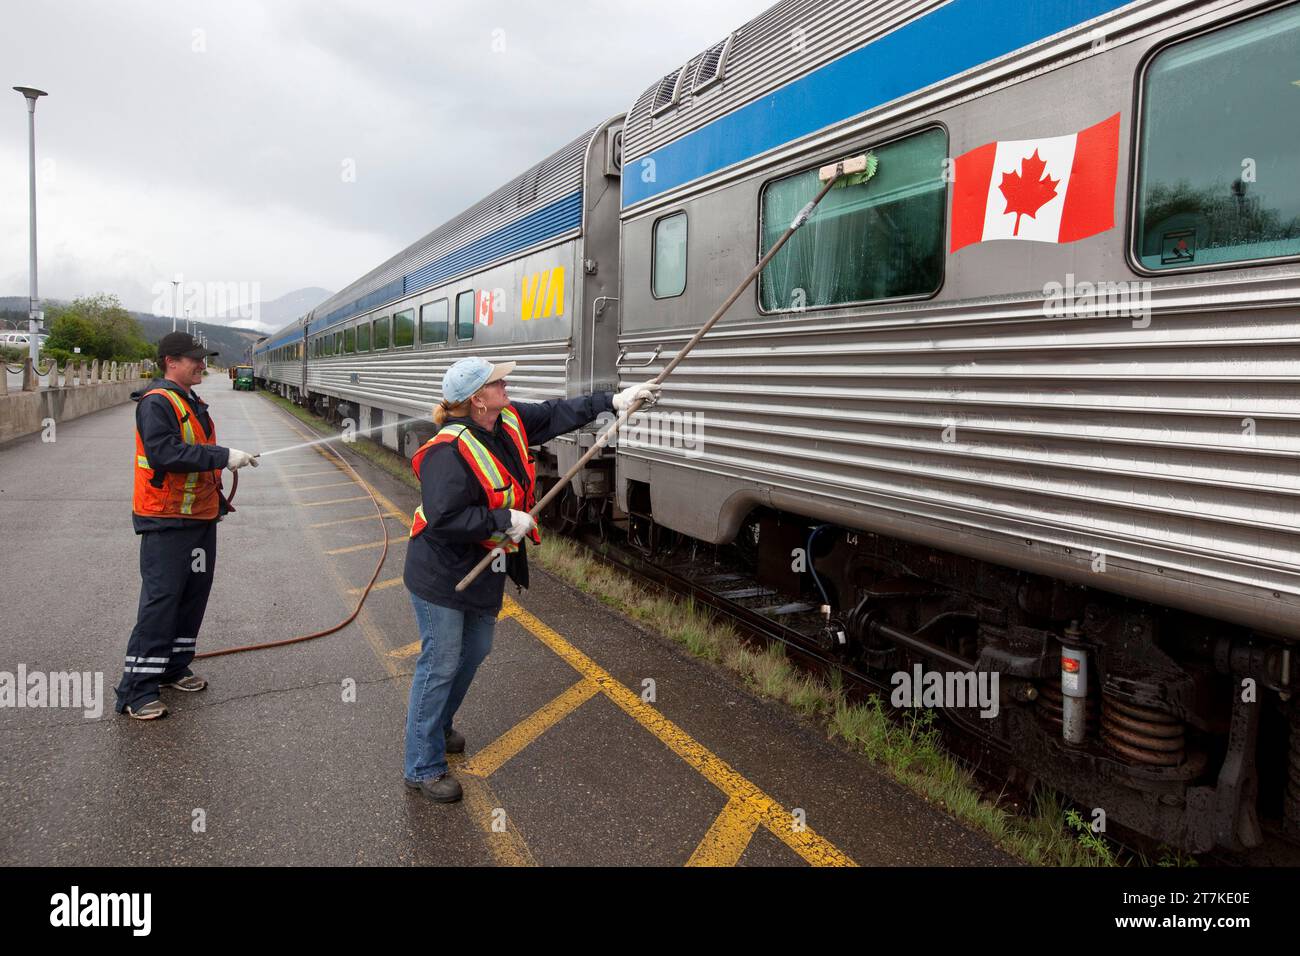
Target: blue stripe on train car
<point x="948" y="41"/>
<point x="553" y="219"/>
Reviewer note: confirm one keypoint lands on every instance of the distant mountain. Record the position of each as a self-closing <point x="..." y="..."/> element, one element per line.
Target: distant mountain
<point x="231" y="342"/>
<point x="270" y="316"/>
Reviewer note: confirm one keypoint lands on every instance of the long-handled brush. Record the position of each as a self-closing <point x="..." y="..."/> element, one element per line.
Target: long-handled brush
<point x="846" y="172"/>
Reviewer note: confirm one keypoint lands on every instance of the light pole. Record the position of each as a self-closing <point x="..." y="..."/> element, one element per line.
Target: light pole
<point x="33" y="313"/>
<point x="176" y="298"/>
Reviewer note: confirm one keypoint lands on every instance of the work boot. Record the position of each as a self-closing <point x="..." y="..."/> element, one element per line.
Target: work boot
<point x="189" y="683"/>
<point x="443" y="788"/>
<point x="455" y="742"/>
<point x="150" y="711"/>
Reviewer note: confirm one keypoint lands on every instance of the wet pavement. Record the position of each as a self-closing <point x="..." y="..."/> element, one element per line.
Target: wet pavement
<point x="294" y="755"/>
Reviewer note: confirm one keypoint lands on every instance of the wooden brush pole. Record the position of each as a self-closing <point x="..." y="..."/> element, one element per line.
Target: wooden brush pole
<point x="632" y="409"/>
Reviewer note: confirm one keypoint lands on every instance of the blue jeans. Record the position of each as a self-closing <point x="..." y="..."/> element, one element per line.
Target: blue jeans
<point x="452" y="645"/>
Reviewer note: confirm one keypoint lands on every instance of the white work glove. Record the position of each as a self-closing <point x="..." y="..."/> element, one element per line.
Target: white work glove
<point x="521" y="522"/>
<point x="649" y="391"/>
<point x="238" y="459"/>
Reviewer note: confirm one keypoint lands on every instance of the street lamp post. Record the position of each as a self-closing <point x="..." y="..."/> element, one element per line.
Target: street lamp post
<point x="33" y="312"/>
<point x="176" y="298"/>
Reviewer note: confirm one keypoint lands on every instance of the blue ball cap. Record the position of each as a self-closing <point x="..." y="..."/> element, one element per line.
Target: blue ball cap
<point x="467" y="376"/>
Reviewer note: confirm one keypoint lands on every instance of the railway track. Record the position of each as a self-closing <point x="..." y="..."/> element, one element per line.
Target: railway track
<point x="720" y="578"/>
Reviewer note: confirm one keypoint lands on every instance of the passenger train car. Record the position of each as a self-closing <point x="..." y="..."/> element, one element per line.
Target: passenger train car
<point x="1024" y="402"/>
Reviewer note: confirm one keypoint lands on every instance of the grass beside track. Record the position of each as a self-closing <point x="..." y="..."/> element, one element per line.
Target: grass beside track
<point x="909" y="749"/>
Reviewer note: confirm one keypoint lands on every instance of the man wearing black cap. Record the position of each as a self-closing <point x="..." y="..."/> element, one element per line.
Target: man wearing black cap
<point x="176" y="505"/>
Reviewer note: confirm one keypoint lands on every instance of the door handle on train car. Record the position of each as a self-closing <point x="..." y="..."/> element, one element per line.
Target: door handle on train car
<point x="618" y="363"/>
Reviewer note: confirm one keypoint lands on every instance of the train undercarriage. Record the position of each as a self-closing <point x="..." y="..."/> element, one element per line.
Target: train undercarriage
<point x="1182" y="730"/>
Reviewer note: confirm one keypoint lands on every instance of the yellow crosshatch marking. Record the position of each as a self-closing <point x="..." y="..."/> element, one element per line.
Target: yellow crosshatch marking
<point x="814" y="848"/>
<point x="747" y="806"/>
<point x="729" y="835"/>
<point x="490" y="758"/>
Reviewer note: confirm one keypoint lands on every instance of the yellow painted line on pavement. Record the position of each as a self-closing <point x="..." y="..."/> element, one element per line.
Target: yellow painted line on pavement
<point x="327" y="524"/>
<point x="315" y="474"/>
<point x="356" y="547"/>
<point x="379" y="585"/>
<point x="504" y="840"/>
<point x="488" y="760"/>
<point x="406" y="650"/>
<point x="330" y="484"/>
<point x="336" y="501"/>
<point x="814" y="848"/>
<point x="728" y="836"/>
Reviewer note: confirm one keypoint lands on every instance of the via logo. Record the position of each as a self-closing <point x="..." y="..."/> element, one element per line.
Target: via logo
<point x="543" y="294"/>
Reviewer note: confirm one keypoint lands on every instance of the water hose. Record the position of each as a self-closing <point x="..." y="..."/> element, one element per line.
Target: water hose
<point x="379" y="512"/>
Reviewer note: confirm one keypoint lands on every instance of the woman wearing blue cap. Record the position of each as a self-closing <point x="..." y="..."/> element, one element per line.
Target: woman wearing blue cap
<point x="477" y="487"/>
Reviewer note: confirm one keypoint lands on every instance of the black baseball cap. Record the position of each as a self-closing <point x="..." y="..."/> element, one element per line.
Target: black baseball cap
<point x="182" y="343"/>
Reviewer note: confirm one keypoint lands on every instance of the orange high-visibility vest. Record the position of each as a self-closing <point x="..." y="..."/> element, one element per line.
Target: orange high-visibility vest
<point x="501" y="488"/>
<point x="176" y="494"/>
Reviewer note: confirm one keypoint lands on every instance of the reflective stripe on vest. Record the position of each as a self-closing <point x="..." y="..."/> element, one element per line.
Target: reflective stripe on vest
<point x="498" y="484"/>
<point x="192" y="494"/>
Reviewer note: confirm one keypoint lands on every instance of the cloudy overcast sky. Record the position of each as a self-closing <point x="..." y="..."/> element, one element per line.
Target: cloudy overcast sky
<point x="209" y="139"/>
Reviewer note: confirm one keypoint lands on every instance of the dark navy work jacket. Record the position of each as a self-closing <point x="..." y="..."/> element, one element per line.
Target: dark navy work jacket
<point x="456" y="510"/>
<point x="160" y="431"/>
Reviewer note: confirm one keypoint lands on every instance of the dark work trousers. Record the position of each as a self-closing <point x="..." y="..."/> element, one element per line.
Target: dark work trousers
<point x="176" y="568"/>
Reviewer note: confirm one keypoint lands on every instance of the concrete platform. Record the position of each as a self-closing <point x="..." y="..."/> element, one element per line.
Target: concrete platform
<point x="567" y="765"/>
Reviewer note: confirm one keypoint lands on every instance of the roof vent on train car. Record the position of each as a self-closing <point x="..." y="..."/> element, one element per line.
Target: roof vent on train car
<point x="712" y="65"/>
<point x="668" y="92"/>
<point x="528" y="188"/>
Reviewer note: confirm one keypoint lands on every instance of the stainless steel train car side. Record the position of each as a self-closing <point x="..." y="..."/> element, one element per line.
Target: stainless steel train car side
<point x="278" y="361"/>
<point x="528" y="274"/>
<point x="962" y="409"/>
<point x="1072" y="437"/>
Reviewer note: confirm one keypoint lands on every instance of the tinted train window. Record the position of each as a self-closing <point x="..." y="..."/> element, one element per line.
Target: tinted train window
<point x="465" y="316"/>
<point x="338" y="343"/>
<point x="880" y="239"/>
<point x="363" y="337"/>
<point x="433" y="323"/>
<point x="669" y="274"/>
<point x="381" y="333"/>
<point x="349" y="340"/>
<point x="404" y="328"/>
<point x="1219" y="171"/>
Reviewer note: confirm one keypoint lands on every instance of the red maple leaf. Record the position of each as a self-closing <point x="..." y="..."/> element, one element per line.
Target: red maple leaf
<point x="1028" y="190"/>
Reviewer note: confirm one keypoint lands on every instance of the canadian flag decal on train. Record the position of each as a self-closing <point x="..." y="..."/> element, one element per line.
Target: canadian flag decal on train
<point x="484" y="314"/>
<point x="1053" y="189"/>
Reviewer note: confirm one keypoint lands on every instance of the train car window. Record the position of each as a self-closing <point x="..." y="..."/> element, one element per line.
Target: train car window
<point x="338" y="343"/>
<point x="349" y="340"/>
<point x="363" y="337"/>
<point x="404" y="328"/>
<point x="433" y="323"/>
<point x="381" y="333"/>
<point x="465" y="316"/>
<point x="668" y="277"/>
<point x="880" y="239"/>
<point x="1218" y="168"/>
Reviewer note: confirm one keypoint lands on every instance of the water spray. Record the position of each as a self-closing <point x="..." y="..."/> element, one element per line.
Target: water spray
<point x="346" y="436"/>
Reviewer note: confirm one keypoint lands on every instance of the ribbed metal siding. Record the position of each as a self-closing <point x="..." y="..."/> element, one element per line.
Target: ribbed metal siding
<point x="411" y="381"/>
<point x="555" y="178"/>
<point x="1172" y="448"/>
<point x="762" y="57"/>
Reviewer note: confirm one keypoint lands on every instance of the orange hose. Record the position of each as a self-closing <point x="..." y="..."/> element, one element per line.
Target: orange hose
<point x="379" y="512"/>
